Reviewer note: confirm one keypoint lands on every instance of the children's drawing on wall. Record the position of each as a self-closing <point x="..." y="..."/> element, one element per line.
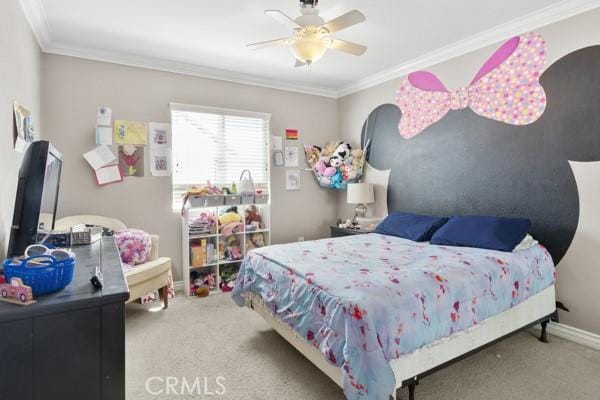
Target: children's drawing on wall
<point x="160" y="164"/>
<point x="131" y="160"/>
<point x="130" y="132"/>
<point x="292" y="179"/>
<point x="159" y="136"/>
<point x="291" y="156"/>
<point x="23" y="128"/>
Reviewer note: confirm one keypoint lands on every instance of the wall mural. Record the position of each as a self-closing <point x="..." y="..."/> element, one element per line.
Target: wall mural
<point x="465" y="164"/>
<point x="505" y="89"/>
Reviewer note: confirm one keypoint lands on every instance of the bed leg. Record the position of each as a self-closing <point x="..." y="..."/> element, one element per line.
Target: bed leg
<point x="411" y="390"/>
<point x="544" y="335"/>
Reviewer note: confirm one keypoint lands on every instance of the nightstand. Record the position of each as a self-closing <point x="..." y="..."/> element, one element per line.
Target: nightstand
<point x="338" y="232"/>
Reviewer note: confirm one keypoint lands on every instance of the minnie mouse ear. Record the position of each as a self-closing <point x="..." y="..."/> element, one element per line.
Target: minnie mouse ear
<point x="382" y="122"/>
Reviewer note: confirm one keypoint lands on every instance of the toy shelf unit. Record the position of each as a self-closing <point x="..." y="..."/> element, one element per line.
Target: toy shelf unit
<point x="215" y="241"/>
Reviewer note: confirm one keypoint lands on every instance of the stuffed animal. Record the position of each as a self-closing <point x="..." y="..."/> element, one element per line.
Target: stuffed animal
<point x="313" y="154"/>
<point x="324" y="169"/>
<point x="249" y="244"/>
<point x="232" y="248"/>
<point x="336" y="180"/>
<point x="357" y="155"/>
<point x="348" y="172"/>
<point x="258" y="239"/>
<point x="336" y="162"/>
<point x="231" y="215"/>
<point x="253" y="218"/>
<point x="329" y="149"/>
<point x="342" y="150"/>
<point x="202" y="291"/>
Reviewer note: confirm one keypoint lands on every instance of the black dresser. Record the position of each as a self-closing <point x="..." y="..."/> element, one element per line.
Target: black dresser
<point x="70" y="344"/>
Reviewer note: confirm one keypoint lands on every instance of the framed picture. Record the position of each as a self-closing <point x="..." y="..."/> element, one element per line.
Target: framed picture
<point x="23" y="128"/>
<point x="291" y="156"/>
<point x="278" y="158"/>
<point x="292" y="179"/>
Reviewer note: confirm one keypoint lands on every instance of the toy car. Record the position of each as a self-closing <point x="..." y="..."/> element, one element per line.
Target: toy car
<point x="16" y="289"/>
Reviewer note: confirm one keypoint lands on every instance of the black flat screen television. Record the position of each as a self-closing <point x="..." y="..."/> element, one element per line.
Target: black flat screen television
<point x="37" y="195"/>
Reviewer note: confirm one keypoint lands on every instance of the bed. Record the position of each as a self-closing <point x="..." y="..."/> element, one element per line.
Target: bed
<point x="377" y="313"/>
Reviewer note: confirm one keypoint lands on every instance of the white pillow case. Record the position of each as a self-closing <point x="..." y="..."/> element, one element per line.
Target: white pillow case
<point x="527" y="243"/>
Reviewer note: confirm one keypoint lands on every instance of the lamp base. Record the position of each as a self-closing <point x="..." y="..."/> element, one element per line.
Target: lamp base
<point x="359" y="212"/>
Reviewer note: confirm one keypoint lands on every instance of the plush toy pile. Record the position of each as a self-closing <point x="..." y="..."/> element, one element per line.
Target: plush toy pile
<point x="335" y="165"/>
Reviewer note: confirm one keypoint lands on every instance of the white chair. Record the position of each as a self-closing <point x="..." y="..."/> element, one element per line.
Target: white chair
<point x="144" y="278"/>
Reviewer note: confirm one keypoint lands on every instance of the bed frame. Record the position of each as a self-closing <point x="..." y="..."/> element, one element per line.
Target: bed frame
<point x="410" y="369"/>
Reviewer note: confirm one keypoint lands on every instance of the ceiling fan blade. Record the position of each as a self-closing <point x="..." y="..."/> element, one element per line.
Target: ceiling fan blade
<point x="282" y="18"/>
<point x="347" y="47"/>
<point x="344" y="21"/>
<point x="270" y="43"/>
<point x="299" y="64"/>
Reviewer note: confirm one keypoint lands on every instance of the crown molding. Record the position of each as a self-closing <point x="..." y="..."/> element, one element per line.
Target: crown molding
<point x="546" y="16"/>
<point x="183" y="68"/>
<point x="36" y="16"/>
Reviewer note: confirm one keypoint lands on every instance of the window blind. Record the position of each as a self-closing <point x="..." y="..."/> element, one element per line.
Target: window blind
<point x="217" y="145"/>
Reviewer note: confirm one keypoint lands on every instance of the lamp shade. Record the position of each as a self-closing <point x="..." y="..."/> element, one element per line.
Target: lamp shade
<point x="360" y="193"/>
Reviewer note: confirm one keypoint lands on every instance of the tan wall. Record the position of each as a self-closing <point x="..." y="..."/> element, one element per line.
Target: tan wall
<point x="20" y="61"/>
<point x="74" y="88"/>
<point x="579" y="271"/>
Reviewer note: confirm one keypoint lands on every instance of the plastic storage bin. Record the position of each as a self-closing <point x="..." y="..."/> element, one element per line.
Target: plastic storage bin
<point x="215" y="200"/>
<point x="233" y="199"/>
<point x="247" y="198"/>
<point x="262" y="198"/>
<point x="48" y="275"/>
<point x="197" y="201"/>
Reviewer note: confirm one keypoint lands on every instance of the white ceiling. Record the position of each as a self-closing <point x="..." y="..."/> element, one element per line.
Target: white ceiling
<point x="208" y="38"/>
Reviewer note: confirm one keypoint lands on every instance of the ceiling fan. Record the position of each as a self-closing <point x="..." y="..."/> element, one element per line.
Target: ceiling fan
<point x="310" y="39"/>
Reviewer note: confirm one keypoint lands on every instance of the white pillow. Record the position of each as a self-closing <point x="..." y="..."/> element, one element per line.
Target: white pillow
<point x="527" y="243"/>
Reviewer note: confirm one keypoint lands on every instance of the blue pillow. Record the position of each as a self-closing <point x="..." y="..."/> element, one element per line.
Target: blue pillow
<point x="492" y="233"/>
<point x="418" y="228"/>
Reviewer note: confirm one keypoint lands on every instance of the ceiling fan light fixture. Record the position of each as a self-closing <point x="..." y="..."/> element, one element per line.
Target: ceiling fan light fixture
<point x="309" y="49"/>
<point x="310" y="38"/>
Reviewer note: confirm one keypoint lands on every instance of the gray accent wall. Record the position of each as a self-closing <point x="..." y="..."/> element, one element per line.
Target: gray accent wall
<point x="579" y="270"/>
<point x="20" y="70"/>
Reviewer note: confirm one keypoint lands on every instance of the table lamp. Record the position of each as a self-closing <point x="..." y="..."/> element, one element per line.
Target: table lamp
<point x="360" y="194"/>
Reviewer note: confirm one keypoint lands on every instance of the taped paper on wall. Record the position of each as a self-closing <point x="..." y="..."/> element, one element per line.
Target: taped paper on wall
<point x="291" y="156"/>
<point x="104" y="135"/>
<point x="292" y="179"/>
<point x="160" y="162"/>
<point x="108" y="174"/>
<point x="159" y="135"/>
<point x="131" y="160"/>
<point x="104" y="117"/>
<point x="99" y="157"/>
<point x="276" y="143"/>
<point x="130" y="132"/>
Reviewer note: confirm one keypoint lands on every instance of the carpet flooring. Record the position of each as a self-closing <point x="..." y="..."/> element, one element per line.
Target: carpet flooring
<point x="210" y="341"/>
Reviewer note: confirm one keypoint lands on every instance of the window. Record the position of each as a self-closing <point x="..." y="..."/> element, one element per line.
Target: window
<point x="217" y="145"/>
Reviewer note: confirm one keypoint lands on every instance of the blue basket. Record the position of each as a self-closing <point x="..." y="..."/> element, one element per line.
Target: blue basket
<point x="52" y="275"/>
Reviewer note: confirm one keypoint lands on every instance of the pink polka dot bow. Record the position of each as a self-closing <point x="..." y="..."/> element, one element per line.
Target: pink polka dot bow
<point x="506" y="89"/>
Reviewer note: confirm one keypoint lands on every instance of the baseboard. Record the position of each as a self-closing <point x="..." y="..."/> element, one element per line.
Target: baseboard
<point x="575" y="335"/>
<point x="178" y="285"/>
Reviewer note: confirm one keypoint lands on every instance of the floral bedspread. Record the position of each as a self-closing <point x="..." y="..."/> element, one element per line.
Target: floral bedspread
<point x="364" y="300"/>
